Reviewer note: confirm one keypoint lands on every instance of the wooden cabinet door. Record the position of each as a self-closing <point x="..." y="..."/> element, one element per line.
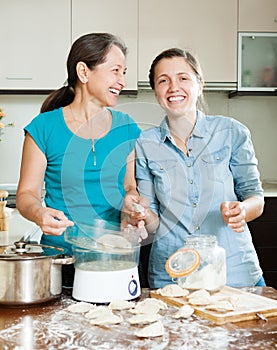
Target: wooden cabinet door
<point x="117" y="17"/>
<point x="34" y="43"/>
<point x="208" y="28"/>
<point x="257" y="16"/>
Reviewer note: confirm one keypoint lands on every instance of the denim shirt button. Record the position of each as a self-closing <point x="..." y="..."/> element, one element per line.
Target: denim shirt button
<point x="197" y="227"/>
<point x="217" y="158"/>
<point x="194" y="206"/>
<point x="191" y="182"/>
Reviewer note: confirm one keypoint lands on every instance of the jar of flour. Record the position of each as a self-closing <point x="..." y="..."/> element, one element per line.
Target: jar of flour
<point x="200" y="264"/>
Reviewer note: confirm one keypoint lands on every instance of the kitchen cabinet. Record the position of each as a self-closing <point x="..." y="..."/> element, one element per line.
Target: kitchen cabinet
<point x="34" y="41"/>
<point x="263" y="231"/>
<point x="117" y="17"/>
<point x="257" y="16"/>
<point x="208" y="28"/>
<point x="257" y="61"/>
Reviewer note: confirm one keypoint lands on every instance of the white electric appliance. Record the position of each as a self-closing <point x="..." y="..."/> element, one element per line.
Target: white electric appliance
<point x="106" y="262"/>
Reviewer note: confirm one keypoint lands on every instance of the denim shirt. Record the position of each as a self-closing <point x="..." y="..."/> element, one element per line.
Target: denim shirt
<point x="187" y="191"/>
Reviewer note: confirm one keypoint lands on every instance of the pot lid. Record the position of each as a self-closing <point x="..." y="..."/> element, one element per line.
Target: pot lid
<point x="22" y="251"/>
<point x="183" y="262"/>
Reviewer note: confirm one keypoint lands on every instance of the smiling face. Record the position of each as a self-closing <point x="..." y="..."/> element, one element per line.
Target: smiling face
<point x="177" y="87"/>
<point x="106" y="80"/>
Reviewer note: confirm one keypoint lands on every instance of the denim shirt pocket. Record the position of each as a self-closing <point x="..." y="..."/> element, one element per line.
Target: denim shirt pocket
<point x="217" y="163"/>
<point x="164" y="174"/>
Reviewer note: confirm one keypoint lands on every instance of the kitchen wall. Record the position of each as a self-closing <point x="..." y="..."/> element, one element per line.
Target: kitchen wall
<point x="259" y="113"/>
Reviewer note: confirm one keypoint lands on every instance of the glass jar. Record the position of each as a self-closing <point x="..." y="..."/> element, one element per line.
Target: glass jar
<point x="200" y="264"/>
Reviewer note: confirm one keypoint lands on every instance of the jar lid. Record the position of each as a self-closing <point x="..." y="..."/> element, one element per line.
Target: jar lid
<point x="183" y="262"/>
<point x="22" y="251"/>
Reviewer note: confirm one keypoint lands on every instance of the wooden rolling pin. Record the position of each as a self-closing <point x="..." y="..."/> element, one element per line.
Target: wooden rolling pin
<point x="4" y="223"/>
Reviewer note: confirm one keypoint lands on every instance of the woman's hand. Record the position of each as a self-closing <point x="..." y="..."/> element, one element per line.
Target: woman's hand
<point x="134" y="212"/>
<point x="234" y="215"/>
<point x="135" y="208"/>
<point x="52" y="221"/>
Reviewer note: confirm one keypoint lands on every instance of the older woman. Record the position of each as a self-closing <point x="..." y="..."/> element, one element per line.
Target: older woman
<point x="79" y="146"/>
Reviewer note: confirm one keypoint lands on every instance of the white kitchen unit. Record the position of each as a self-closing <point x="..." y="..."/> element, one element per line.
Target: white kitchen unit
<point x="34" y="43"/>
<point x="208" y="28"/>
<point x="117" y="17"/>
<point x="257" y="16"/>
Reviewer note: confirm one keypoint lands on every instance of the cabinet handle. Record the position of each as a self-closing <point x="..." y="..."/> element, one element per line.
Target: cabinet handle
<point x="18" y="78"/>
<point x="275" y="20"/>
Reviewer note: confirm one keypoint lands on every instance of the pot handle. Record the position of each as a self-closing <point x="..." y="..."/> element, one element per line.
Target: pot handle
<point x="64" y="261"/>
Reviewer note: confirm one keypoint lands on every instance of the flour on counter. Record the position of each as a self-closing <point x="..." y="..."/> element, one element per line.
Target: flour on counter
<point x="57" y="329"/>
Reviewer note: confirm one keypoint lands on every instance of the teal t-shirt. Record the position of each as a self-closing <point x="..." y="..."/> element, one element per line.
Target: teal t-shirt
<point x="84" y="184"/>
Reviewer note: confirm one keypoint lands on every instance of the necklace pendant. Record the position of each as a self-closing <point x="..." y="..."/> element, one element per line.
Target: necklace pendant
<point x="93" y="152"/>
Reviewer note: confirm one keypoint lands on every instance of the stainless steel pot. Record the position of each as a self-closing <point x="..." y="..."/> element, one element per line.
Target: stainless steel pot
<point x="30" y="273"/>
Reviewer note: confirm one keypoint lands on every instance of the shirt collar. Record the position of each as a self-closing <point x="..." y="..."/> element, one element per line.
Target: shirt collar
<point x="200" y="126"/>
<point x="198" y="131"/>
<point x="165" y="133"/>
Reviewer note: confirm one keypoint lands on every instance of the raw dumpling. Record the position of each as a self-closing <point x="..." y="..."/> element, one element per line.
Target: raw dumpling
<point x="139" y="208"/>
<point x="222" y="304"/>
<point x="144" y="318"/>
<point x="152" y="301"/>
<point x="98" y="311"/>
<point x="145" y="308"/>
<point x="184" y="312"/>
<point x="153" y="330"/>
<point x="106" y="319"/>
<point x="234" y="300"/>
<point x="172" y="290"/>
<point x="200" y="297"/>
<point x="121" y="304"/>
<point x="80" y="307"/>
<point x="114" y="241"/>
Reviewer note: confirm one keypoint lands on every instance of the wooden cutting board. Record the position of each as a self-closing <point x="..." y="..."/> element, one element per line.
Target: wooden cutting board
<point x="249" y="305"/>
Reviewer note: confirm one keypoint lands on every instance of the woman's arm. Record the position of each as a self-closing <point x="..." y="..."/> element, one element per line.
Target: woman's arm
<point x="129" y="214"/>
<point x="130" y="185"/>
<point x="248" y="189"/>
<point x="28" y="197"/>
<point x="236" y="214"/>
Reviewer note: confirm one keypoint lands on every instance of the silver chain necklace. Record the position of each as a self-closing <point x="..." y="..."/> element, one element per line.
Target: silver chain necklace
<point x="93" y="140"/>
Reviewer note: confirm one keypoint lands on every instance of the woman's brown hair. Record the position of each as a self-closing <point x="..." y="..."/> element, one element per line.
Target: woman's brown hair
<point x="189" y="58"/>
<point x="91" y="49"/>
